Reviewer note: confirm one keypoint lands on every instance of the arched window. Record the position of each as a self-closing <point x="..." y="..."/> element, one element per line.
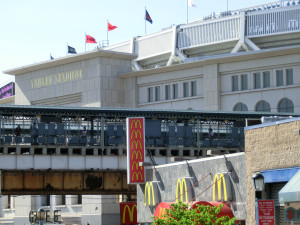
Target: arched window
<point x="240" y="107"/>
<point x="285" y="105"/>
<point x="263" y="106"/>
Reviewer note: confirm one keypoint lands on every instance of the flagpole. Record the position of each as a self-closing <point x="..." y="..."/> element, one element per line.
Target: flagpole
<point x="187" y="11"/>
<point x="145" y="21"/>
<point x="107" y="33"/>
<point x="85" y="43"/>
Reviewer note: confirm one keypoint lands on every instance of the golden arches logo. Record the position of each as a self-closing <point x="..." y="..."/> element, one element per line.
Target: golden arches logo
<point x="218" y="181"/>
<point x="130" y="211"/>
<point x="136" y="165"/>
<point x="136" y="133"/>
<point x="137" y="175"/>
<point x="149" y="189"/>
<point x="135" y="123"/>
<point x="182" y="186"/>
<point x="162" y="212"/>
<point x="136" y="153"/>
<point x="136" y="144"/>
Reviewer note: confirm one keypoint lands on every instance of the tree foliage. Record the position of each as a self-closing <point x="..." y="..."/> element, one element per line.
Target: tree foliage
<point x="181" y="214"/>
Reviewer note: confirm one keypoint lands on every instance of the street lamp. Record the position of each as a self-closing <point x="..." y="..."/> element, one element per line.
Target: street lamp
<point x="258" y="182"/>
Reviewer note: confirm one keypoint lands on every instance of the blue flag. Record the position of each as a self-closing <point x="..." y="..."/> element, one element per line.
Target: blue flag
<point x="51" y="57"/>
<point x="147" y="17"/>
<point x="71" y="50"/>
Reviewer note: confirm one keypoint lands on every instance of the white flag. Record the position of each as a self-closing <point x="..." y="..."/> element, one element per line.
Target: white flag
<point x="191" y="4"/>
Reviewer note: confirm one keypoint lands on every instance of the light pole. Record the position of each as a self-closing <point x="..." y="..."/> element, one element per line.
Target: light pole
<point x="258" y="182"/>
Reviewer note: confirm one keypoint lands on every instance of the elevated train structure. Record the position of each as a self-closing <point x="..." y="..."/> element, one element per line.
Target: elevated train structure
<point x="168" y="133"/>
<point x="59" y="159"/>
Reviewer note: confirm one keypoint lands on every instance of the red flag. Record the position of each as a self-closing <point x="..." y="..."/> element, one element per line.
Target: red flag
<point x="89" y="39"/>
<point x="111" y="27"/>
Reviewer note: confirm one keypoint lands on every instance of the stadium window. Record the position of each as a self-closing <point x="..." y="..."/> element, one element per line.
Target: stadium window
<point x="194" y="88"/>
<point x="256" y="80"/>
<point x="157" y="93"/>
<point x="289" y="77"/>
<point x="240" y="107"/>
<point x="175" y="91"/>
<point x="263" y="106"/>
<point x="266" y="79"/>
<point x="244" y="78"/>
<point x="285" y="105"/>
<point x="279" y="78"/>
<point x="167" y="92"/>
<point x="235" y="83"/>
<point x="150" y="94"/>
<point x="186" y="89"/>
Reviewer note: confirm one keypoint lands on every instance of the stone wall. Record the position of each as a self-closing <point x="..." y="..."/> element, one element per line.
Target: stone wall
<point x="202" y="170"/>
<point x="270" y="146"/>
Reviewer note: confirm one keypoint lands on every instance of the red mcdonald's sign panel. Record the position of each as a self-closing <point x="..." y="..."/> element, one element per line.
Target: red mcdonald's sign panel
<point x="128" y="213"/>
<point x="135" y="129"/>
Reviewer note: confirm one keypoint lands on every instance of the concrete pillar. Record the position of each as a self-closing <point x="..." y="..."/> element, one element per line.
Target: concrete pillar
<point x="57" y="151"/>
<point x="5" y="150"/>
<point x="211" y="87"/>
<point x="18" y="150"/>
<point x="31" y="151"/>
<point x="44" y="151"/>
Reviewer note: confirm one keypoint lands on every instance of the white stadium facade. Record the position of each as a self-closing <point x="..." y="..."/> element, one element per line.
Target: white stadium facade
<point x="242" y="60"/>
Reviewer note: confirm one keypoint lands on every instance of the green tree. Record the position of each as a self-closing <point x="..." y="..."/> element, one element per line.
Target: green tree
<point x="180" y="214"/>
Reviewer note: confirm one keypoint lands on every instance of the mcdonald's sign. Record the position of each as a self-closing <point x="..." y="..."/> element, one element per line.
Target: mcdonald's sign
<point x="128" y="213"/>
<point x="183" y="190"/>
<point x="222" y="187"/>
<point x="160" y="210"/>
<point x="151" y="193"/>
<point x="136" y="134"/>
<point x="135" y="127"/>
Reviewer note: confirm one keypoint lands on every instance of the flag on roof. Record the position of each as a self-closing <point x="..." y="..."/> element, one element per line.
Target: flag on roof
<point x="51" y="57"/>
<point x="191" y="3"/>
<point x="71" y="50"/>
<point x="90" y="39"/>
<point x="147" y="17"/>
<point x="111" y="27"/>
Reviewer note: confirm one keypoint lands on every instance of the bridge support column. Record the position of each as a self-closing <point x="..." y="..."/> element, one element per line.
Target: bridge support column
<point x="95" y="151"/>
<point x="120" y="151"/>
<point x="44" y="150"/>
<point x="192" y="153"/>
<point x="70" y="151"/>
<point x="18" y="150"/>
<point x="203" y="152"/>
<point x="168" y="153"/>
<point x="83" y="151"/>
<point x="108" y="151"/>
<point x="180" y="152"/>
<point x="57" y="151"/>
<point x="156" y="152"/>
<point x="31" y="151"/>
<point x="5" y="150"/>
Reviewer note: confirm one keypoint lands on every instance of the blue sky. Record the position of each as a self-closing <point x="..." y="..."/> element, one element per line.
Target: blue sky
<point x="32" y="29"/>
